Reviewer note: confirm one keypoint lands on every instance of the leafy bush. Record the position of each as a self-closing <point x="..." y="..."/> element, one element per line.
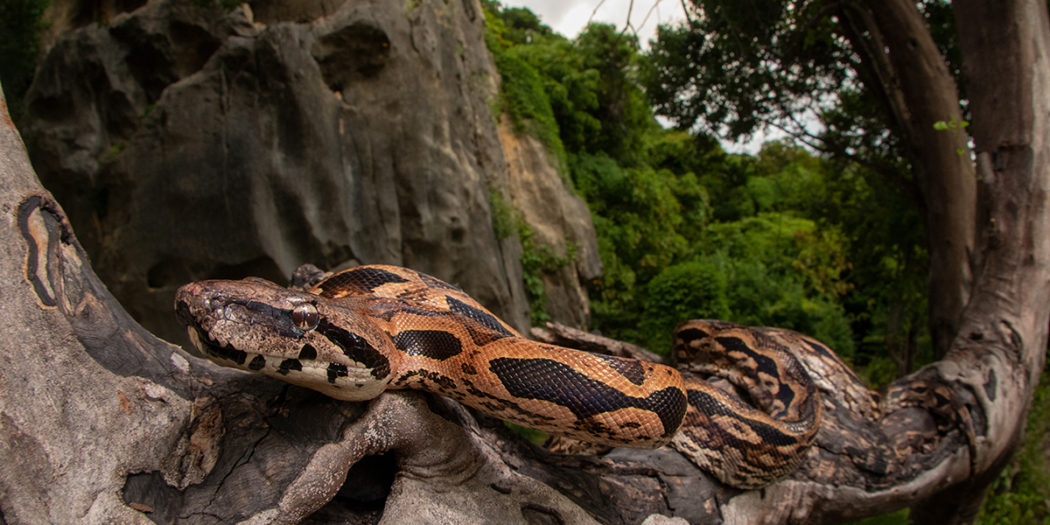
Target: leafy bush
<point x="537" y="258"/>
<point x="691" y="290"/>
<point x="524" y="99"/>
<point x="773" y="281"/>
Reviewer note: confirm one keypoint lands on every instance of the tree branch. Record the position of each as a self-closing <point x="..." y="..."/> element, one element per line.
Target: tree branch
<point x="101" y="421"/>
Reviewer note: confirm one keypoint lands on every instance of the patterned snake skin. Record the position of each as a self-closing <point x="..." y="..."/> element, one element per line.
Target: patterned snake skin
<point x="375" y="328"/>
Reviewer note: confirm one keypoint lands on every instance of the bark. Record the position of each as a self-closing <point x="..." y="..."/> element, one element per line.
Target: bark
<point x="1005" y="40"/>
<point x="102" y="422"/>
<point x="902" y="64"/>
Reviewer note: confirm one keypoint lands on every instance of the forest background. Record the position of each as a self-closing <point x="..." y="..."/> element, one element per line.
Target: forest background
<point x="818" y="241"/>
<point x="809" y="238"/>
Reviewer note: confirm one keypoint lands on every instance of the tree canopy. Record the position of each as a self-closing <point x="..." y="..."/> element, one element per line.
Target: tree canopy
<point x="833" y="232"/>
<point x="877" y="86"/>
<point x="786" y="237"/>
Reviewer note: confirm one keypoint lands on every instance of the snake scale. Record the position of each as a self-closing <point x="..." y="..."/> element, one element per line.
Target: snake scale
<point x="369" y="329"/>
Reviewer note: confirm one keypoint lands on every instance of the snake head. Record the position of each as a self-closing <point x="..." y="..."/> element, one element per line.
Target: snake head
<point x="298" y="337"/>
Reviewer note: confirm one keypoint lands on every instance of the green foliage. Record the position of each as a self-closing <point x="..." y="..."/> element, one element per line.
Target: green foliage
<point x="822" y="244"/>
<point x="953" y="124"/>
<point x="21" y="24"/>
<point x="622" y="110"/>
<point x="584" y="96"/>
<point x="737" y="66"/>
<point x="818" y="245"/>
<point x="774" y="280"/>
<point x="894" y="518"/>
<point x="879" y="371"/>
<point x="646" y="220"/>
<point x="538" y="259"/>
<point x="504" y="217"/>
<point x="524" y="99"/>
<point x="536" y="437"/>
<point x="691" y="290"/>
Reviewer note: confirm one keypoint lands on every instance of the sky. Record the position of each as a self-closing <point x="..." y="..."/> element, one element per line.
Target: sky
<point x="568" y="17"/>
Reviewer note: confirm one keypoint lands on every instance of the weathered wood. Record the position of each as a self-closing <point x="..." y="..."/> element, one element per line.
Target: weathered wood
<point x="559" y="334"/>
<point x="100" y="421"/>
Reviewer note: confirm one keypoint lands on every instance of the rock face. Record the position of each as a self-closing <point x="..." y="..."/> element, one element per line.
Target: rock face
<point x="558" y="218"/>
<point x="189" y="143"/>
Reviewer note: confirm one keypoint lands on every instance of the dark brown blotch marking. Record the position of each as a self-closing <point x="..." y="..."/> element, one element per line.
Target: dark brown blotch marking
<point x="221" y="351"/>
<point x="308" y="352"/>
<point x="434" y="282"/>
<point x="288" y="365"/>
<point x="483" y="318"/>
<point x="558" y="383"/>
<point x="356" y="348"/>
<point x="358" y="281"/>
<point x="710" y="406"/>
<point x="335" y="371"/>
<point x="434" y="344"/>
<point x="441" y="381"/>
<point x="631" y="369"/>
<point x="258" y="362"/>
<point x="691" y="334"/>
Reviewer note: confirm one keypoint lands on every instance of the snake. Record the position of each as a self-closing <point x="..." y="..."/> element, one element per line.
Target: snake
<point x="737" y="402"/>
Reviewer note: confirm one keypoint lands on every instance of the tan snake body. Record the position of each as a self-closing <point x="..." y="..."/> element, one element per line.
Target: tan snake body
<point x="374" y="328"/>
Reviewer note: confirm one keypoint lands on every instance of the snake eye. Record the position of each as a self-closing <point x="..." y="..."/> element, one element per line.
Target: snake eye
<point x="305" y="317"/>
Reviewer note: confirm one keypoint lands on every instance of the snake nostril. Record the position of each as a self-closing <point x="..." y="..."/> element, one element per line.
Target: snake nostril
<point x="191" y="298"/>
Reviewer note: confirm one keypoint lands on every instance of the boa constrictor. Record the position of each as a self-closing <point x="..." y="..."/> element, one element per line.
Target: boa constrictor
<point x="374" y="328"/>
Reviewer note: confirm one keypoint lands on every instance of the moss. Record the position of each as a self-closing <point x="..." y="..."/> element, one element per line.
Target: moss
<point x="504" y="216"/>
<point x="522" y="95"/>
<point x="537" y="258"/>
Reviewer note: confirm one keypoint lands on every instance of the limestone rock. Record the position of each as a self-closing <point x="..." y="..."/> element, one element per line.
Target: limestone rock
<point x="189" y="142"/>
<point x="560" y="220"/>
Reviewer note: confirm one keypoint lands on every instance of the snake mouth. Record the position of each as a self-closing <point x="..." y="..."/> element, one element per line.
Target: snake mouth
<point x="209" y="346"/>
<point x="192" y="308"/>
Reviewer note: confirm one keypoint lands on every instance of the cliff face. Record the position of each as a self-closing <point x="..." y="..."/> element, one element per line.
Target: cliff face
<point x="190" y="142"/>
<point x="559" y="219"/>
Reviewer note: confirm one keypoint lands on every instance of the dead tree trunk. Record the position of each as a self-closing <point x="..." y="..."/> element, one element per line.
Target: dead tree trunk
<point x="1005" y="40"/>
<point x="903" y="66"/>
<point x="100" y="421"/>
